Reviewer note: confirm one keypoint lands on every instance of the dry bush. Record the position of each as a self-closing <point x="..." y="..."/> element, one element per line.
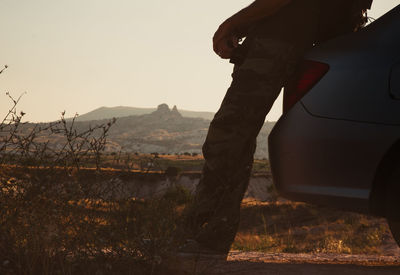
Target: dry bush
<point x="56" y="217"/>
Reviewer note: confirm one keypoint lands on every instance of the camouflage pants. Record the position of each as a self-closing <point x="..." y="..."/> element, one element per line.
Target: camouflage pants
<point x="271" y="53"/>
<point x="231" y="140"/>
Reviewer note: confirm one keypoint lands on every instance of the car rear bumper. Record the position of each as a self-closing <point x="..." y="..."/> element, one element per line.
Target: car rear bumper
<point x="325" y="161"/>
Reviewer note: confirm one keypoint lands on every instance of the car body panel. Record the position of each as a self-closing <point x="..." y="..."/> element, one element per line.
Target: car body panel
<point x="363" y="63"/>
<point x="327" y="161"/>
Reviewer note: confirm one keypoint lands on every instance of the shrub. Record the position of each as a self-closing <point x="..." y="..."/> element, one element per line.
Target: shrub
<point x="59" y="217"/>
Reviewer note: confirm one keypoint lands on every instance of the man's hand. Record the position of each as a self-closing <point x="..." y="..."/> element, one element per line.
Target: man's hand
<point x="225" y="40"/>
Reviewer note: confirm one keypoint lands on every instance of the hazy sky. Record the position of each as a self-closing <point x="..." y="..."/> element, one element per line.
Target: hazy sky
<point x="78" y="55"/>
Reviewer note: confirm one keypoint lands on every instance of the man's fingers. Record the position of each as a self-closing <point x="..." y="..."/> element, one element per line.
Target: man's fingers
<point x="224" y="40"/>
<point x="225" y="55"/>
<point x="224" y="48"/>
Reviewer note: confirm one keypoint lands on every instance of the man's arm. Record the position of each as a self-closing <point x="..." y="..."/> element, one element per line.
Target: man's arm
<point x="226" y="38"/>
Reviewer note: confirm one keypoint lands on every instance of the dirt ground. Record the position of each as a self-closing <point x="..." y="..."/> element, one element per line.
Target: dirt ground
<point x="253" y="263"/>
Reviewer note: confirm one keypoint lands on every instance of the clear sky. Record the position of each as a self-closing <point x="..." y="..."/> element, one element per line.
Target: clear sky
<point x="78" y="55"/>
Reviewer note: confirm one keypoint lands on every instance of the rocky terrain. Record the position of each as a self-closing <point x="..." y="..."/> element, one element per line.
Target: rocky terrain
<point x="163" y="131"/>
<point x="168" y="131"/>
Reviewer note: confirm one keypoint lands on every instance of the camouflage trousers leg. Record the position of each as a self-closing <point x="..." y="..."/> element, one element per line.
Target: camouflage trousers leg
<point x="213" y="218"/>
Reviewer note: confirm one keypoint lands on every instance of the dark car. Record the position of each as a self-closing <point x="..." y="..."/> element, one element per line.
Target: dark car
<point x="338" y="141"/>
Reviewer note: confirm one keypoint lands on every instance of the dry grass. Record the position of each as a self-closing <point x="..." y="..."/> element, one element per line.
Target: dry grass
<point x="302" y="228"/>
<point x="53" y="221"/>
<point x="56" y="221"/>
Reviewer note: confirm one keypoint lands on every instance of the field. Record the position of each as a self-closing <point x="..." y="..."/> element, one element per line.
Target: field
<point x="65" y="221"/>
<point x="65" y="208"/>
<point x="157" y="162"/>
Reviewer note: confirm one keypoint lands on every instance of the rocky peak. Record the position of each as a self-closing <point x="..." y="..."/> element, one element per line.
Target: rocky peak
<point x="175" y="111"/>
<point x="164" y="111"/>
<point x="163" y="108"/>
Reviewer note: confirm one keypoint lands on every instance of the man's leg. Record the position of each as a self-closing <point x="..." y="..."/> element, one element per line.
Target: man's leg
<point x="231" y="140"/>
<point x="273" y="50"/>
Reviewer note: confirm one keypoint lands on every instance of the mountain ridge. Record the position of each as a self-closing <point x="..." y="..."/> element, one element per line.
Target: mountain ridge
<point x="124" y="111"/>
<point x="164" y="130"/>
<point x="167" y="131"/>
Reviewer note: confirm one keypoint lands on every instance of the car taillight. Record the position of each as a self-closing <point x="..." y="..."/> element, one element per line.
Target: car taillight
<point x="308" y="74"/>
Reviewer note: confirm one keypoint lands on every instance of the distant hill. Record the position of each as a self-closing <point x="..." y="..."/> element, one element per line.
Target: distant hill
<point x="164" y="130"/>
<point x="123" y="111"/>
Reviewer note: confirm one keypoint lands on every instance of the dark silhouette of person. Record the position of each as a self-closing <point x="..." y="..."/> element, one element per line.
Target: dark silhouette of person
<point x="277" y="34"/>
